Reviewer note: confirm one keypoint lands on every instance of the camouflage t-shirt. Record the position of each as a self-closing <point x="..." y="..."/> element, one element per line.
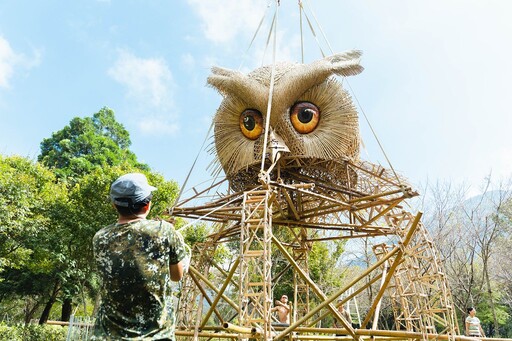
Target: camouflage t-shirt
<point x="133" y="262"/>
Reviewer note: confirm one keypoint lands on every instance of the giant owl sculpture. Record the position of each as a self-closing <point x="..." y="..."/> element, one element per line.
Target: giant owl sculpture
<point x="312" y="117"/>
<point x="303" y="123"/>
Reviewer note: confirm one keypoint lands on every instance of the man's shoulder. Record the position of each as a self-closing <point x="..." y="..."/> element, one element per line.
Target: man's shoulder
<point x="157" y="223"/>
<point x="104" y="230"/>
<point x="159" y="229"/>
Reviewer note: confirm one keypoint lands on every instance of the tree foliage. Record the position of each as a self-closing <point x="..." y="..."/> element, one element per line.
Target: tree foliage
<point x="88" y="143"/>
<point x="51" y="210"/>
<point x="474" y="239"/>
<point x="29" y="196"/>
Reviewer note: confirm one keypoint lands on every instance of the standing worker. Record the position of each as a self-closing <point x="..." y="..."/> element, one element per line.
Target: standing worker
<point x="473" y="327"/>
<point x="283" y="310"/>
<point x="346" y="316"/>
<point x="136" y="260"/>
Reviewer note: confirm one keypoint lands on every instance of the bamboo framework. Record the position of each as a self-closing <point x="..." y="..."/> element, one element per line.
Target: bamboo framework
<point x="280" y="218"/>
<point x="301" y="292"/>
<point x="255" y="262"/>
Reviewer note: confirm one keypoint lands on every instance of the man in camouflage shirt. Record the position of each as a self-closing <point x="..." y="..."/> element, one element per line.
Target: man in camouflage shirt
<point x="136" y="260"/>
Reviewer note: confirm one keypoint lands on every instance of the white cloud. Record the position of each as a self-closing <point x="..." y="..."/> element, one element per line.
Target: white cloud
<point x="160" y="125"/>
<point x="188" y="61"/>
<point x="287" y="50"/>
<point x="9" y="60"/>
<point x="148" y="81"/>
<point x="442" y="81"/>
<point x="224" y="20"/>
<point x="233" y="24"/>
<point x="149" y="84"/>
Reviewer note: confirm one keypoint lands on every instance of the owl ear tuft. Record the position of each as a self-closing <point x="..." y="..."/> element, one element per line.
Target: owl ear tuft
<point x="223" y="79"/>
<point x="346" y="63"/>
<point x="229" y="82"/>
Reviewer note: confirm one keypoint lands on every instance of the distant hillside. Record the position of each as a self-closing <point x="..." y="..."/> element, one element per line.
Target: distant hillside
<point x="487" y="202"/>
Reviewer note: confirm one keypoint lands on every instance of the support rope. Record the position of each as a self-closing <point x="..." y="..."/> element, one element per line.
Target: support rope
<point x="191" y="168"/>
<point x="301" y="33"/>
<point x="314" y="34"/>
<point x="271" y="88"/>
<point x="216" y="209"/>
<point x="320" y="28"/>
<point x="211" y="125"/>
<point x="268" y="38"/>
<point x="374" y="134"/>
<point x="354" y="95"/>
<point x="254" y="36"/>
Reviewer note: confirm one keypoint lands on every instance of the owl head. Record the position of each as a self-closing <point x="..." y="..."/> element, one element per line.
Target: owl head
<point x="312" y="117"/>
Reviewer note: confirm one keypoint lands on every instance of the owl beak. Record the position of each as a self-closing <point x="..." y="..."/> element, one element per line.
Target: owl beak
<point x="276" y="146"/>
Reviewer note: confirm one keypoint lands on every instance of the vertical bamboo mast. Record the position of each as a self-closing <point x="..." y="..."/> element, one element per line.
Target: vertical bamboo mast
<point x="256" y="262"/>
<point x="301" y="287"/>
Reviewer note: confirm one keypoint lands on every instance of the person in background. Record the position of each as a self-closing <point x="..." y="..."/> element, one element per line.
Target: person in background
<point x="346" y="316"/>
<point x="283" y="310"/>
<point x="473" y="327"/>
<point x="136" y="260"/>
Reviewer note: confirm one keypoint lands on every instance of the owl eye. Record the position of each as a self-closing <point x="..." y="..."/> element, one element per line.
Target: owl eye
<point x="305" y="117"/>
<point x="251" y="124"/>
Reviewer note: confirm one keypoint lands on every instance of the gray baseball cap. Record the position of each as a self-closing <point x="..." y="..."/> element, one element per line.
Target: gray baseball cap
<point x="133" y="186"/>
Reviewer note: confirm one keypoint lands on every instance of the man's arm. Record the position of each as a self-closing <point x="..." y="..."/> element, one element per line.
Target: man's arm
<point x="349" y="318"/>
<point x="481" y="330"/>
<point x="178" y="252"/>
<point x="176" y="271"/>
<point x="279" y="303"/>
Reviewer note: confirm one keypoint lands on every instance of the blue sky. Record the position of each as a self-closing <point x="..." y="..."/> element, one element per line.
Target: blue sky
<point x="435" y="87"/>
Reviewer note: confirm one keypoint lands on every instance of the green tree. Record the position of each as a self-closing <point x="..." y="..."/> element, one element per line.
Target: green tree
<point x="88" y="143"/>
<point x="88" y="211"/>
<point x="87" y="155"/>
<point x="29" y="198"/>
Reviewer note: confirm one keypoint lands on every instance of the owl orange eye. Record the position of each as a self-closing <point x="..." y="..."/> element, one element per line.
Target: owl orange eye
<point x="251" y="124"/>
<point x="305" y="117"/>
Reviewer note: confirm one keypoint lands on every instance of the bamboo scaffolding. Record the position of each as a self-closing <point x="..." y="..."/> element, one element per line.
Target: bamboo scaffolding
<point x="213" y="287"/>
<point x="220" y="292"/>
<point x="367" y="202"/>
<point x="392" y="269"/>
<point x="314" y="287"/>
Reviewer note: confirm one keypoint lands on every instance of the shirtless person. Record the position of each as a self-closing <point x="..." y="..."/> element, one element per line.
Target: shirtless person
<point x="283" y="310"/>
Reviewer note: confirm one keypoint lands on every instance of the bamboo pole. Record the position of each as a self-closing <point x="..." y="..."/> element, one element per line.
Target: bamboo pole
<point x="377" y="310"/>
<point x="336" y="294"/>
<point x="343" y="301"/>
<point x="205" y="295"/>
<point x="313" y="194"/>
<point x="291" y="205"/>
<point x="222" y="271"/>
<point x="315" y="288"/>
<point x="375" y="196"/>
<point x="363" y="333"/>
<point x="381" y="213"/>
<point x="207" y="334"/>
<point x="393" y="267"/>
<point x="239" y="329"/>
<point x="220" y="293"/>
<point x="210" y="284"/>
<point x="66" y="323"/>
<point x="198" y="194"/>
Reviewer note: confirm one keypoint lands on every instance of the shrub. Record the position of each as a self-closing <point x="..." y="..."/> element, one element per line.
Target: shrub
<point x="32" y="332"/>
